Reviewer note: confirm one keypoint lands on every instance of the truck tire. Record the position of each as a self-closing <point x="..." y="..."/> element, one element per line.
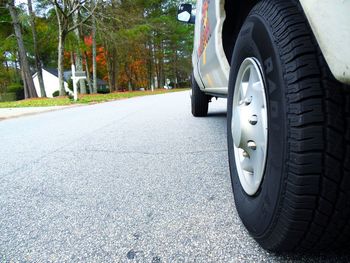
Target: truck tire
<point x="288" y="134"/>
<point x="199" y="100"/>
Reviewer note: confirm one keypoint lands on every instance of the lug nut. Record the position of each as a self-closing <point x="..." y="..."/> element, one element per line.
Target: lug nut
<point x="248" y="100"/>
<point x="253" y="120"/>
<point x="252" y="145"/>
<point x="246" y="155"/>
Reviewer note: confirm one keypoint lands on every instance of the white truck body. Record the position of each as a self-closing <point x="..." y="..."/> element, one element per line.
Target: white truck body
<point x="329" y="20"/>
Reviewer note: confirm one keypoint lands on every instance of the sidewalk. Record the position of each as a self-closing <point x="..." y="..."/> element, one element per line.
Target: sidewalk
<point x="7" y="113"/>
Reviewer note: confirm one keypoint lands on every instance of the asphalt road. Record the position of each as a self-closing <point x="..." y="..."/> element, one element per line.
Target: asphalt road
<point x="137" y="180"/>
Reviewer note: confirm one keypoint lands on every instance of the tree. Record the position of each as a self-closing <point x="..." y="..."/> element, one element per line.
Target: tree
<point x="79" y="56"/>
<point x="129" y="43"/>
<point x="87" y="72"/>
<point x="29" y="88"/>
<point x="36" y="50"/>
<point x="94" y="63"/>
<point x="8" y="52"/>
<point x="64" y="13"/>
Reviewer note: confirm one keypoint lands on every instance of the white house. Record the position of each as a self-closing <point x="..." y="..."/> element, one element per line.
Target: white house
<point x="50" y="77"/>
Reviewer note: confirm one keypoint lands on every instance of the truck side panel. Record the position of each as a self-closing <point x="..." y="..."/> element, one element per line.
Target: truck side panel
<point x="329" y="20"/>
<point x="212" y="65"/>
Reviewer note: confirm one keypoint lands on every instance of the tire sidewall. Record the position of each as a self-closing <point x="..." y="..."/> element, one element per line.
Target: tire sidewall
<point x="258" y="212"/>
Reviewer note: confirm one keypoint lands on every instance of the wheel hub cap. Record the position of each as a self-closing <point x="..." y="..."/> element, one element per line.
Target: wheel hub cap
<point x="250" y="125"/>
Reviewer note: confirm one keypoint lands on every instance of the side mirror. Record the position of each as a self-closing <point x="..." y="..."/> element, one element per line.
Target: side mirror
<point x="184" y="14"/>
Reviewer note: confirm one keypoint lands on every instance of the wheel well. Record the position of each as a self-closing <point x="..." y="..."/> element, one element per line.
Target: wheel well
<point x="236" y="13"/>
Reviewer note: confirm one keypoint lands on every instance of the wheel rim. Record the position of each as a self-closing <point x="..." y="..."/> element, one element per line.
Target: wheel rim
<point x="250" y="125"/>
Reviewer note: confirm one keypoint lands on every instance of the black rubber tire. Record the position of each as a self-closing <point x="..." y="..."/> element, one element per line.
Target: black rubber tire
<point x="199" y="100"/>
<point x="303" y="203"/>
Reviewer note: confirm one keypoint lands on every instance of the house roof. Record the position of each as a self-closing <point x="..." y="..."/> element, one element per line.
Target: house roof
<point x="52" y="71"/>
<point x="68" y="74"/>
<point x="100" y="82"/>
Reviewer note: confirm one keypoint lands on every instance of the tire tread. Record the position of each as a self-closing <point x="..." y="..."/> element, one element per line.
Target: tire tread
<point x="199" y="100"/>
<point x="316" y="199"/>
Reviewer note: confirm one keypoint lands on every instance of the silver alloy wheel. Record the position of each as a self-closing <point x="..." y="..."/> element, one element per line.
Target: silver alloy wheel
<point x="250" y="125"/>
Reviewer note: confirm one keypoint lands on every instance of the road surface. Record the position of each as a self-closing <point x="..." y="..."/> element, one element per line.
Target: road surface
<point x="138" y="180"/>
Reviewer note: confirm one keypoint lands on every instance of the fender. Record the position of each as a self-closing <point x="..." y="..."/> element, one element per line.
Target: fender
<point x="330" y="23"/>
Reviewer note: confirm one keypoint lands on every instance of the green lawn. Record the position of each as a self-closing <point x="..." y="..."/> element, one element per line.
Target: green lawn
<point x="83" y="99"/>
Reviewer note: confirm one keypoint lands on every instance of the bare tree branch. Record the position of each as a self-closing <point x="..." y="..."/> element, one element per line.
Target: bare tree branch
<point x="84" y="20"/>
<point x="74" y="9"/>
<point x="57" y="5"/>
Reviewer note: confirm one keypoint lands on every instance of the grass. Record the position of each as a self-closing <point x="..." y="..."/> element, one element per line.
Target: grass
<point x="83" y="99"/>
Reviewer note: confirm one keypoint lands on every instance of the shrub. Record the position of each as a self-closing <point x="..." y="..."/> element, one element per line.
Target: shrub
<point x="4" y="79"/>
<point x="11" y="96"/>
<point x="70" y="84"/>
<point x="183" y="84"/>
<point x="56" y="93"/>
<point x="14" y="87"/>
<point x="103" y="90"/>
<point x="20" y="94"/>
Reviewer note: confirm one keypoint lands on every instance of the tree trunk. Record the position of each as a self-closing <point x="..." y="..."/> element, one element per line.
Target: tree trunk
<point x="115" y="75"/>
<point x="36" y="51"/>
<point x="79" y="64"/>
<point x="157" y="71"/>
<point x="161" y="66"/>
<point x="61" y="39"/>
<point x="26" y="75"/>
<point x="108" y="64"/>
<point x="110" y="74"/>
<point x="110" y="55"/>
<point x="128" y="73"/>
<point x="94" y="62"/>
<point x="175" y="68"/>
<point x="88" y="79"/>
<point x="60" y="51"/>
<point x="79" y="58"/>
<point x="150" y="67"/>
<point x="17" y="70"/>
<point x="25" y="88"/>
<point x="161" y="74"/>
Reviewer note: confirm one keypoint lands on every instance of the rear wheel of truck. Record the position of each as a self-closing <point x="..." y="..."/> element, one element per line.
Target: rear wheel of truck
<point x="199" y="100"/>
<point x="288" y="134"/>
